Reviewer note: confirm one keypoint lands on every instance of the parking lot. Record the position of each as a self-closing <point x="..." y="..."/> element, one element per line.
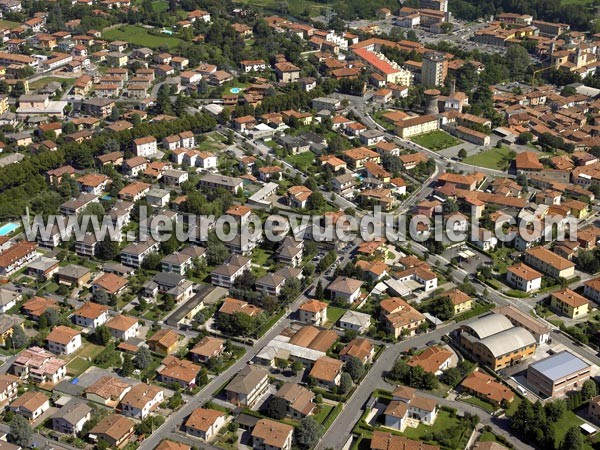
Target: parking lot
<point x="470" y="263"/>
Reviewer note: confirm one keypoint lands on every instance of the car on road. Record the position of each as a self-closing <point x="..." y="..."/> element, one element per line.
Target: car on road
<point x="432" y="342"/>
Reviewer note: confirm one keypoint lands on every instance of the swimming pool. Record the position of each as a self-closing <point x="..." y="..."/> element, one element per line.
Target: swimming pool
<point x="236" y="90"/>
<point x="8" y="228"/>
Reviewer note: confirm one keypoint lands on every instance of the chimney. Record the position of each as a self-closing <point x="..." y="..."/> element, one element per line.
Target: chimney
<point x="452" y="88"/>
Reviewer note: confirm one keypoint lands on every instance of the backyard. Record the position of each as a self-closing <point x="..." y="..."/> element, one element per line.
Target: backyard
<point x="495" y="158"/>
<point x="137" y="35"/>
<point x="334" y="313"/>
<point x="436" y="140"/>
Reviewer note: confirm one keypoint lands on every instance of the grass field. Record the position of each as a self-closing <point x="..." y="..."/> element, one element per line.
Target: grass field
<point x="443" y="422"/>
<point x="78" y="366"/>
<point x="334" y="313"/>
<point x="324" y="411"/>
<point x="294" y="7"/>
<point x="492" y="159"/>
<point x="302" y="160"/>
<point x="139" y="36"/>
<point x="42" y="82"/>
<point x="436" y="140"/>
<point x="9" y="24"/>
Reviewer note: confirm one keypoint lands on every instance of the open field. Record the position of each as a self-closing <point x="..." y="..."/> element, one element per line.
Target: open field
<point x="42" y="82"/>
<point x="436" y="140"/>
<point x="492" y="159"/>
<point x="139" y="36"/>
<point x="294" y="7"/>
<point x="9" y="24"/>
<point x="302" y="160"/>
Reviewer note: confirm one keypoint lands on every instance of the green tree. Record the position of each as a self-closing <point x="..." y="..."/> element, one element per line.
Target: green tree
<point x="588" y="390"/>
<point x="20" y="432"/>
<point x="18" y="338"/>
<point x="345" y="383"/>
<point x="102" y="335"/>
<point x="108" y="249"/>
<point x="128" y="366"/>
<point x="355" y="368"/>
<point x="316" y="202"/>
<point x="143" y="358"/>
<point x="308" y="433"/>
<point x="462" y="154"/>
<point x="442" y="308"/>
<point x="451" y="376"/>
<point x="276" y="408"/>
<point x="573" y="440"/>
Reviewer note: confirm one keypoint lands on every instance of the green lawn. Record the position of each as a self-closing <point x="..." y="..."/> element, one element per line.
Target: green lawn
<point x="436" y="140"/>
<point x="334" y="313"/>
<point x="495" y="158"/>
<point x="480" y="403"/>
<point x="302" y="160"/>
<point x="262" y="257"/>
<point x="292" y="7"/>
<point x="444" y="421"/>
<point x="77" y="366"/>
<point x="9" y="24"/>
<point x="139" y="36"/>
<point x="324" y="411"/>
<point x="42" y="82"/>
<point x="568" y="420"/>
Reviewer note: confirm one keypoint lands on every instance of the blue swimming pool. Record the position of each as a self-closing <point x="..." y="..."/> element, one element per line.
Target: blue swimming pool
<point x="8" y="228"/>
<point x="236" y="90"/>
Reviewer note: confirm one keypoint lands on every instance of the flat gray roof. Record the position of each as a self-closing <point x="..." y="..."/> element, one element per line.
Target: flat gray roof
<point x="560" y="365"/>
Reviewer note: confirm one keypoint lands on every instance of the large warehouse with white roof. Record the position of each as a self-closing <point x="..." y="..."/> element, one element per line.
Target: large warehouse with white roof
<point x="496" y="343"/>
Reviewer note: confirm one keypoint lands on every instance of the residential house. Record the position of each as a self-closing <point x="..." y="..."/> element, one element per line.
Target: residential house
<point x="39" y="366"/>
<point x="271" y="435"/>
<point x="204" y="423"/>
<point x="164" y="341"/>
<point x="91" y="315"/>
<point x="141" y="400"/>
<point x="71" y="418"/>
<point x="313" y="312"/>
<point x="359" y="348"/>
<point x="327" y="371"/>
<point x="345" y="288"/>
<point x="433" y="359"/>
<point x="123" y="328"/>
<point x="524" y="277"/>
<point x="248" y="386"/>
<point x="116" y="430"/>
<point x="300" y="401"/>
<point x="63" y="340"/>
<point x="355" y="321"/>
<point x="208" y="347"/>
<point x="569" y="303"/>
<point x="181" y="372"/>
<point x="31" y="405"/>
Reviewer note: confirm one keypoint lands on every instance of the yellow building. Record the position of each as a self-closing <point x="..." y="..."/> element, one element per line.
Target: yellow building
<point x="569" y="303"/>
<point x="461" y="301"/>
<point x="494" y="342"/>
<point x="7" y="326"/>
<point x="3" y="104"/>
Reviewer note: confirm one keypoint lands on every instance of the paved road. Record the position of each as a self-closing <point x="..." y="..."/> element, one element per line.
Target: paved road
<point x="338" y="433"/>
<point x="175" y="420"/>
